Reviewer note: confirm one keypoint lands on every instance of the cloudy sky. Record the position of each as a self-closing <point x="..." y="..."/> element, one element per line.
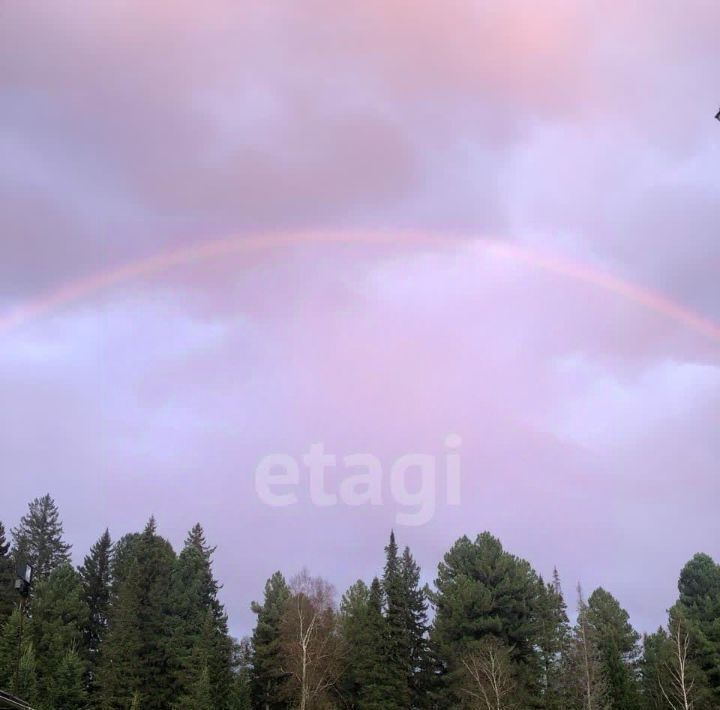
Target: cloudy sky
<point x="579" y="133"/>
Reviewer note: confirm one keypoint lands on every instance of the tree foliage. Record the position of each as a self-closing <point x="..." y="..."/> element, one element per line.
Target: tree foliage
<point x="137" y="626"/>
<point x="38" y="539"/>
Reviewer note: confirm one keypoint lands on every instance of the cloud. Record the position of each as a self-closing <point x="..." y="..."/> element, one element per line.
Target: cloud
<point x="135" y="128"/>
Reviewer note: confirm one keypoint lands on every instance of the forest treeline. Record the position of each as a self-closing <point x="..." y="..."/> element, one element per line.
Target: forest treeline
<point x="140" y="626"/>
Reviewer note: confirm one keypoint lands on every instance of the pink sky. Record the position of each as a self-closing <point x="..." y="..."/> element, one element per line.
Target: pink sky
<point x="576" y="129"/>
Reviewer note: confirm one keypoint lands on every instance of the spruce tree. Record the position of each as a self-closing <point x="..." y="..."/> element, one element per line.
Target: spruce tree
<point x="196" y="539"/>
<point x="95" y="574"/>
<point x="398" y="641"/>
<point x="267" y="674"/>
<point x="38" y="539"/>
<point x="197" y="689"/>
<point x="59" y="618"/>
<point x="554" y="630"/>
<point x="365" y="682"/>
<point x="420" y="668"/>
<point x="122" y="559"/>
<point x="8" y="595"/>
<point x="18" y="669"/>
<point x="68" y="690"/>
<point x="202" y="643"/>
<point x="137" y="659"/>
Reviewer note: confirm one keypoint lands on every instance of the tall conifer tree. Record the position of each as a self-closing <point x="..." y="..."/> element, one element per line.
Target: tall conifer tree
<point x="8" y="595"/>
<point x="95" y="574"/>
<point x="366" y="682"/>
<point x="617" y="642"/>
<point x="267" y="673"/>
<point x="699" y="604"/>
<point x="204" y="649"/>
<point x="482" y="590"/>
<point x="38" y="539"/>
<point x="59" y="618"/>
<point x="398" y="641"/>
<point x="553" y="637"/>
<point x="137" y="658"/>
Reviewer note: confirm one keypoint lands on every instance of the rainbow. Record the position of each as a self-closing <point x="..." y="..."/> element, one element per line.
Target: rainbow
<point x="238" y="245"/>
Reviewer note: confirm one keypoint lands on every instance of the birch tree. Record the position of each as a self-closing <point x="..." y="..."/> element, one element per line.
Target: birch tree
<point x="676" y="682"/>
<point x="310" y="645"/>
<point x="489" y="678"/>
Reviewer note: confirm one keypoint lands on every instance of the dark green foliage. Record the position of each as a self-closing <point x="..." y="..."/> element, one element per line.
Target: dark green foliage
<point x="699" y="603"/>
<point x="484" y="591"/>
<point x="385" y="629"/>
<point x="122" y="558"/>
<point x="583" y="684"/>
<point x="656" y="657"/>
<point x="553" y="637"/>
<point x="242" y="664"/>
<point x="38" y="539"/>
<point x="410" y="674"/>
<point x="8" y="595"/>
<point x="95" y="574"/>
<point x="617" y="643"/>
<point x="415" y="612"/>
<point x="59" y="618"/>
<point x="366" y="681"/>
<point x="398" y="634"/>
<point x="203" y="648"/>
<point x="137" y="659"/>
<point x="67" y="691"/>
<point x="17" y="657"/>
<point x="138" y="628"/>
<point x="267" y="675"/>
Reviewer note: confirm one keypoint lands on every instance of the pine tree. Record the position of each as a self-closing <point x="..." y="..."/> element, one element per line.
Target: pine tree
<point x="203" y="646"/>
<point x="267" y="675"/>
<point x="8" y="595"/>
<point x="482" y="590"/>
<point x="617" y="642"/>
<point x="38" y="540"/>
<point x="699" y="603"/>
<point x="137" y="656"/>
<point x="59" y="617"/>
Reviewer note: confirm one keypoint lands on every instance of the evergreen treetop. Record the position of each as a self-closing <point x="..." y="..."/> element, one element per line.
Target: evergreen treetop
<point x="38" y="539"/>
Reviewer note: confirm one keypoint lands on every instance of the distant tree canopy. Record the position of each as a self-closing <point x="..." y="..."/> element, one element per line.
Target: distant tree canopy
<point x="138" y="625"/>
